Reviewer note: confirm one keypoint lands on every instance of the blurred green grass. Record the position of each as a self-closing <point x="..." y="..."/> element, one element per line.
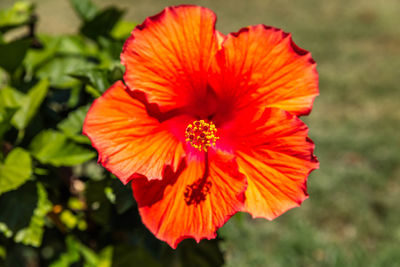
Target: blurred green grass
<point x="352" y="216"/>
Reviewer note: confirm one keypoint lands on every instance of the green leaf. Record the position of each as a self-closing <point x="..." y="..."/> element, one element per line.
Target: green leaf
<point x="9" y="97"/>
<point x="76" y="249"/>
<point x="13" y="53"/>
<point x="5" y="117"/>
<point x="35" y="58"/>
<point x="30" y="104"/>
<point x="124" y="255"/>
<point x="105" y="257"/>
<point x="75" y="45"/>
<point x="92" y="91"/>
<point x="52" y="147"/>
<point x="9" y="104"/>
<point x="3" y="252"/>
<point x="19" y="14"/>
<point x="123" y="196"/>
<point x="16" y="170"/>
<point x="5" y="230"/>
<point x="122" y="29"/>
<point x="17" y="206"/>
<point x="206" y="253"/>
<point x="98" y="78"/>
<point x="112" y="47"/>
<point x="84" y="8"/>
<point x="102" y="23"/>
<point x="69" y="257"/>
<point x="72" y="125"/>
<point x="55" y="47"/>
<point x="32" y="235"/>
<point x="90" y="257"/>
<point x="108" y="191"/>
<point x="60" y="56"/>
<point x="116" y="74"/>
<point x="57" y="70"/>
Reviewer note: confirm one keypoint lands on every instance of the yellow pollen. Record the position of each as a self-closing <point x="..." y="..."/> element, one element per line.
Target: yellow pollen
<point x="201" y="135"/>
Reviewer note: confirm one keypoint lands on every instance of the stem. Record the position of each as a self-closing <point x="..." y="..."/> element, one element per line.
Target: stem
<point x="20" y="137"/>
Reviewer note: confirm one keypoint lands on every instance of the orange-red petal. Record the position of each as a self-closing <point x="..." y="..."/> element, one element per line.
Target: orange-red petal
<point x="128" y="140"/>
<point x="275" y="154"/>
<point x="261" y="64"/>
<point x="168" y="56"/>
<point x="167" y="211"/>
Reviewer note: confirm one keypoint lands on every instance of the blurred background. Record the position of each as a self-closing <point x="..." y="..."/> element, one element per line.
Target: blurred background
<point x="352" y="217"/>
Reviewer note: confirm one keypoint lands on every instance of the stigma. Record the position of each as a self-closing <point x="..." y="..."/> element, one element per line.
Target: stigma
<point x="201" y="135"/>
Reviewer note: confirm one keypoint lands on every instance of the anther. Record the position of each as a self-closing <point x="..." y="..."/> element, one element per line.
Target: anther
<point x="201" y="135"/>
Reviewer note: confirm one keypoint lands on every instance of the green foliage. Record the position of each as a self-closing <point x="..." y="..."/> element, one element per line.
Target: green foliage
<point x="76" y="251"/>
<point x="97" y="78"/>
<point x="123" y="256"/>
<point x="85" y="9"/>
<point x="72" y="125"/>
<point x="30" y="104"/>
<point x="57" y="206"/>
<point x="11" y="201"/>
<point x="57" y="70"/>
<point x="19" y="14"/>
<point x="13" y="53"/>
<point x="352" y="215"/>
<point x="102" y="24"/>
<point x="122" y="30"/>
<point x="52" y="147"/>
<point x="32" y="235"/>
<point x="16" y="170"/>
<point x="3" y="253"/>
<point x="9" y="104"/>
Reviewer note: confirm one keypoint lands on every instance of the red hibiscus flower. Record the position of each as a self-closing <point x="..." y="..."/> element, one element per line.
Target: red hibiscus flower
<point x="206" y="124"/>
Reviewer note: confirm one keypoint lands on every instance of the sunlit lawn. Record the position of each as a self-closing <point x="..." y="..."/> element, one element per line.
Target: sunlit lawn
<point x="352" y="217"/>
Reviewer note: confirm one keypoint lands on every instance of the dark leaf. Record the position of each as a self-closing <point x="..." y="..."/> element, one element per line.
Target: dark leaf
<point x="204" y="254"/>
<point x="102" y="23"/>
<point x="123" y="196"/>
<point x="18" y="256"/>
<point x="12" y="54"/>
<point x="100" y="206"/>
<point x="16" y="214"/>
<point x="125" y="255"/>
<point x="116" y="74"/>
<point x="33" y="234"/>
<point x="5" y="117"/>
<point x="3" y="253"/>
<point x="112" y="47"/>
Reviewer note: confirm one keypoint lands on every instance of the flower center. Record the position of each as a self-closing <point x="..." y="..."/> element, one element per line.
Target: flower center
<point x="201" y="135"/>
